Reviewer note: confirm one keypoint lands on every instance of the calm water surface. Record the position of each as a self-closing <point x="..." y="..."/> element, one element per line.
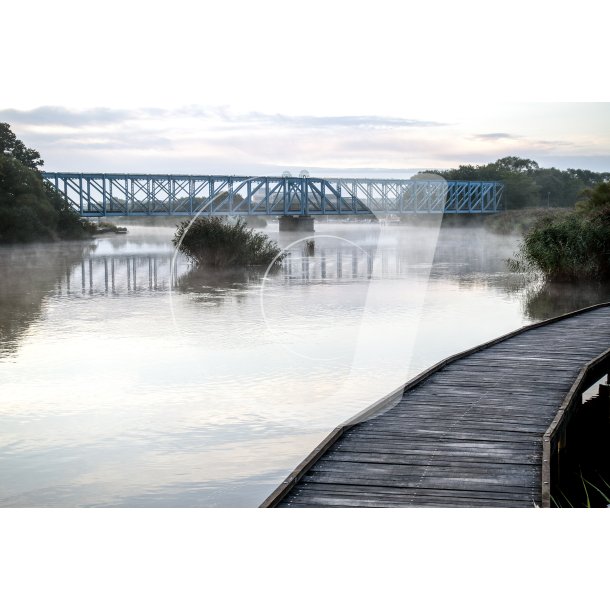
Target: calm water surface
<point x="129" y="379"/>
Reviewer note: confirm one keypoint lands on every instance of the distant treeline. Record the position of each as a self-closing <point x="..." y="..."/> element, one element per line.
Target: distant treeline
<point x="527" y="185"/>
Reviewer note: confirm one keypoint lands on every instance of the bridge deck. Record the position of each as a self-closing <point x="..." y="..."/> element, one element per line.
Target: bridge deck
<point x="468" y="432"/>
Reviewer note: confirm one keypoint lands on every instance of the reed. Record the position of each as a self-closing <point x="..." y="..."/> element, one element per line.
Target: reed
<point x="215" y="242"/>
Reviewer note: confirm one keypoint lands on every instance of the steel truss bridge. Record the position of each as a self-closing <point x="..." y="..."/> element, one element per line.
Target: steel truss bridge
<point x="179" y="195"/>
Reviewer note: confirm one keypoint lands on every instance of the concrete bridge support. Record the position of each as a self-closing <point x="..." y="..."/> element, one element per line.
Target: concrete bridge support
<point x="297" y="223"/>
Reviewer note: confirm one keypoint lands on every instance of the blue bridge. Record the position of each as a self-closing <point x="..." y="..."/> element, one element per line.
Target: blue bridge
<point x="294" y="198"/>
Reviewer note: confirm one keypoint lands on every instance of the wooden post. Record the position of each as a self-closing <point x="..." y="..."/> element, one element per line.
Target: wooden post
<point x="604" y="399"/>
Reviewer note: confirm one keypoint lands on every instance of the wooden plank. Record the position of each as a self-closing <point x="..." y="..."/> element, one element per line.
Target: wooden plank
<point x="347" y="495"/>
<point x="444" y="448"/>
<point x="389" y="466"/>
<point x="439" y="462"/>
<point x="330" y="500"/>
<point x="309" y="488"/>
<point x="446" y="443"/>
<point x="423" y="496"/>
<point x="482" y="421"/>
<point x="413" y="423"/>
<point x="425" y="455"/>
<point x="387" y="473"/>
<point x="450" y="435"/>
<point x="515" y="488"/>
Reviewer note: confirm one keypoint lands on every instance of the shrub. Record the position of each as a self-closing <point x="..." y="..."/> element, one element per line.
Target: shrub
<point x="595" y="201"/>
<point x="570" y="246"/>
<point x="107" y="227"/>
<point x="214" y="242"/>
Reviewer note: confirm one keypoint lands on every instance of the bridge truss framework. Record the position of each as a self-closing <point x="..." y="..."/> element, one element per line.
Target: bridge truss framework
<point x="182" y="195"/>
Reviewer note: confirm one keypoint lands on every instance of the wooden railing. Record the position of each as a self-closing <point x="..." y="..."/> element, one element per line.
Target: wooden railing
<point x="555" y="439"/>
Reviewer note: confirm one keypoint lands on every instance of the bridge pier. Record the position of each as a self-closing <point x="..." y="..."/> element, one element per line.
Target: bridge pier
<point x="296" y="223"/>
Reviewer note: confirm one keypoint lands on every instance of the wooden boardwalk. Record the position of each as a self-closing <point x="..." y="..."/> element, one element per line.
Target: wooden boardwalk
<point x="481" y="428"/>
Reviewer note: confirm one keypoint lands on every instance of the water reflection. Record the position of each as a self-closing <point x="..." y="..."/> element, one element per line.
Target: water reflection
<point x="120" y="266"/>
<point x="29" y="276"/>
<point x="544" y="300"/>
<point x="214" y="286"/>
<point x="121" y="274"/>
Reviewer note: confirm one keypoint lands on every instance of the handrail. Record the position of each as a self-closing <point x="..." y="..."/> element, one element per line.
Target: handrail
<point x="554" y="438"/>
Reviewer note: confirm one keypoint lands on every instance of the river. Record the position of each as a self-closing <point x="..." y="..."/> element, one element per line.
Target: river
<point x="129" y="379"/>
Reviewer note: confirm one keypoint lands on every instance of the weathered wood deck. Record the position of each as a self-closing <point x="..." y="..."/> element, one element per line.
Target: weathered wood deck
<point x="482" y="428"/>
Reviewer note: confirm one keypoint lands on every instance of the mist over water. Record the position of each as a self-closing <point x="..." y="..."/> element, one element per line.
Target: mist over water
<point x="127" y="378"/>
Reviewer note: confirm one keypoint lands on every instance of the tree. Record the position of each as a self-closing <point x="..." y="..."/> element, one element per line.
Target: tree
<point x="520" y="190"/>
<point x="529" y="185"/>
<point x="25" y="211"/>
<point x="588" y="178"/>
<point x="515" y="165"/>
<point x="30" y="209"/>
<point x="595" y="201"/>
<point x="13" y="147"/>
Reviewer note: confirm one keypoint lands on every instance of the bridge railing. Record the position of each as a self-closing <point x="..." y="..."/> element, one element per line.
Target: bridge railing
<point x="182" y="195"/>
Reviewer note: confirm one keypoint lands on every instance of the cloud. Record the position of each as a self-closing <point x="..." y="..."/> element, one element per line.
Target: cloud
<point x="99" y="138"/>
<point x="61" y="116"/>
<point x="553" y="143"/>
<point x="333" y="122"/>
<point x="498" y="136"/>
<point x="495" y="136"/>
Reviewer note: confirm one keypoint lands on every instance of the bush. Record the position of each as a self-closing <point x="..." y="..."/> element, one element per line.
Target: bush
<point x="571" y="246"/>
<point x="107" y="227"/>
<point x="214" y="242"/>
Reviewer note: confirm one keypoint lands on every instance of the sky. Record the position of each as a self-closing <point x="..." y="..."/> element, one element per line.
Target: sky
<point x="261" y="88"/>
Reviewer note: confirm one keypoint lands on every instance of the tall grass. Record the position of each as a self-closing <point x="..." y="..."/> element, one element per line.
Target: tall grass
<point x="594" y="496"/>
<point x="215" y="242"/>
<point x="570" y="246"/>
